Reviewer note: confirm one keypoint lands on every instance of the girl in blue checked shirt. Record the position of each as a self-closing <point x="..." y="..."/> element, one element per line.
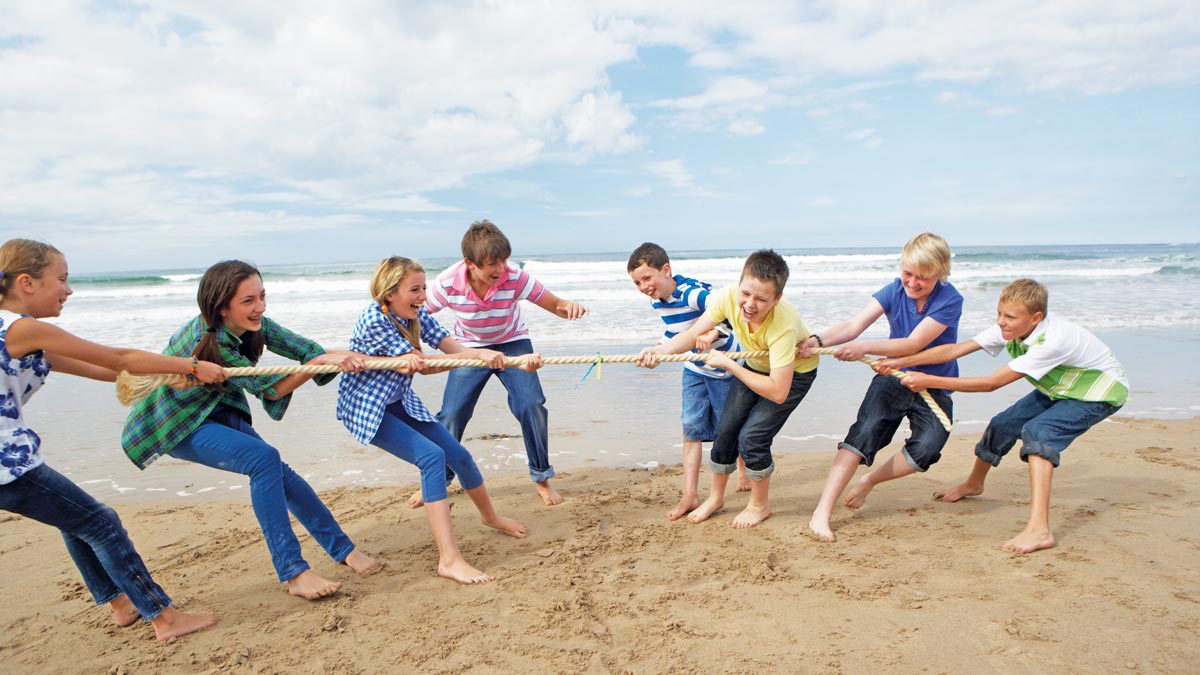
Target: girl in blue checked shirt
<point x="212" y="426"/>
<point x="380" y="408"/>
<point x="33" y="285"/>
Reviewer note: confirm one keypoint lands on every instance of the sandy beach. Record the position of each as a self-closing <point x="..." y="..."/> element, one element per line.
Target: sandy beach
<point x="604" y="584"/>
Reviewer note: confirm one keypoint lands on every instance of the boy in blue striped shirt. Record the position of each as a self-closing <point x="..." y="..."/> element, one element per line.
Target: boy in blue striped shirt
<point x="681" y="300"/>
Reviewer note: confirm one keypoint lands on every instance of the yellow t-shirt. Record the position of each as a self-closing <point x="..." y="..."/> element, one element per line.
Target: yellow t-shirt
<point x="780" y="332"/>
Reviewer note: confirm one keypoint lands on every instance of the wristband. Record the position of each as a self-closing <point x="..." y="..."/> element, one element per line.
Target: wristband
<point x="820" y="342"/>
<point x="195" y="362"/>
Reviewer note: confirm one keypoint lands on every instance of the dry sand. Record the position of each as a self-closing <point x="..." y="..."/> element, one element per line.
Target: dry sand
<point x="605" y="584"/>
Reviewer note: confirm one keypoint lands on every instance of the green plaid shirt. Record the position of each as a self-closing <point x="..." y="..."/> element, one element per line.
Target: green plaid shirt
<point x="160" y="421"/>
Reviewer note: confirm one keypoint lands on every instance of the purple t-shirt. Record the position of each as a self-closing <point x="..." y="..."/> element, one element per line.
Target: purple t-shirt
<point x="944" y="306"/>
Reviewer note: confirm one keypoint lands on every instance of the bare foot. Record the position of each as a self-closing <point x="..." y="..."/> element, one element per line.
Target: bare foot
<point x="858" y="494"/>
<point x="685" y="504"/>
<point x="743" y="483"/>
<point x="1029" y="541"/>
<point x="463" y="573"/>
<point x="549" y="495"/>
<point x="173" y="623"/>
<point x="513" y="528"/>
<point x="709" y="507"/>
<point x="124" y="613"/>
<point x="750" y="516"/>
<point x="415" y="501"/>
<point x="309" y="586"/>
<point x="958" y="492"/>
<point x="362" y="563"/>
<point x="819" y="531"/>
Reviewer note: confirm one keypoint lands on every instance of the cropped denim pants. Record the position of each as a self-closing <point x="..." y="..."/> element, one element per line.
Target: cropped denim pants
<point x="94" y="536"/>
<point x="885" y="405"/>
<point x="525" y="400"/>
<point x="226" y="441"/>
<point x="749" y="424"/>
<point x="429" y="447"/>
<point x="1044" y="425"/>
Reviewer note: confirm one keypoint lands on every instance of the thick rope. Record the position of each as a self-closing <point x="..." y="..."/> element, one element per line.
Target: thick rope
<point x="133" y="388"/>
<point x="933" y="406"/>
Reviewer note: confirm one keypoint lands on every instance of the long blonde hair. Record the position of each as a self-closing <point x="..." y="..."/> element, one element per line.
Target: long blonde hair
<point x="387" y="278"/>
<point x="23" y="256"/>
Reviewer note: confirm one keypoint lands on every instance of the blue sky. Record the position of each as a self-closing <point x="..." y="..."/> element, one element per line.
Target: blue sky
<point x="177" y="133"/>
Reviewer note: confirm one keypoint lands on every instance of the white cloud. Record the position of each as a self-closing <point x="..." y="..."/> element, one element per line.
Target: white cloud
<point x="673" y="172"/>
<point x="600" y="124"/>
<point x="746" y="127"/>
<point x="822" y="202"/>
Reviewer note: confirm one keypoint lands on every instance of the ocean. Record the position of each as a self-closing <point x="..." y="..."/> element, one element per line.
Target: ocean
<point x="1144" y="300"/>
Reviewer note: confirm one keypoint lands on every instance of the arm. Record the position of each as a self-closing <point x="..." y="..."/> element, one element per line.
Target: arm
<point x="682" y="342"/>
<point x="1005" y="375"/>
<point x="89" y="359"/>
<point x="350" y="362"/>
<point x="925" y="332"/>
<point x="773" y="387"/>
<point x="564" y="308"/>
<point x="939" y="354"/>
<point x="844" y="331"/>
<point x="451" y="348"/>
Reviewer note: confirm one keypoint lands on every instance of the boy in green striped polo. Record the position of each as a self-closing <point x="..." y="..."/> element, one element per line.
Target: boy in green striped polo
<point x="1078" y="382"/>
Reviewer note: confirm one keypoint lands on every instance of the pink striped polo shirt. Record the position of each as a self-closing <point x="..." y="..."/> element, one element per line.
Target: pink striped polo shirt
<point x="492" y="320"/>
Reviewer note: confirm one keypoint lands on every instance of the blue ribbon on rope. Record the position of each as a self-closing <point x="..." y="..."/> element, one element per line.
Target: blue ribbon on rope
<point x="595" y="366"/>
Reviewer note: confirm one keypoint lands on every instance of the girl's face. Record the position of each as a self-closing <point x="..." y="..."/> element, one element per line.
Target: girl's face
<point x="245" y="309"/>
<point x="406" y="301"/>
<point x="50" y="291"/>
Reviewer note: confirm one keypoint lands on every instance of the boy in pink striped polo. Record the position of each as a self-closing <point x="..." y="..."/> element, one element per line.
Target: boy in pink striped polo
<point x="485" y="294"/>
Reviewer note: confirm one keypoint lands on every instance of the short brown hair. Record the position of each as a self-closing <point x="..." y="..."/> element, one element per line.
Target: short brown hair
<point x="648" y="254"/>
<point x="24" y="256"/>
<point x="1027" y="293"/>
<point x="484" y="241"/>
<point x="767" y="265"/>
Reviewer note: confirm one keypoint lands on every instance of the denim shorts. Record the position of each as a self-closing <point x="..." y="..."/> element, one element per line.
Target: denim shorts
<point x="1045" y="426"/>
<point x="886" y="404"/>
<point x="703" y="398"/>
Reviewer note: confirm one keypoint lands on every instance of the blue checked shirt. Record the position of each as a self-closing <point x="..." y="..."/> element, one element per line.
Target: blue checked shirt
<point x="363" y="396"/>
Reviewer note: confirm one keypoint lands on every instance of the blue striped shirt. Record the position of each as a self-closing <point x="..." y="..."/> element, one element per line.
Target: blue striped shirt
<point x="363" y="396"/>
<point x="680" y="312"/>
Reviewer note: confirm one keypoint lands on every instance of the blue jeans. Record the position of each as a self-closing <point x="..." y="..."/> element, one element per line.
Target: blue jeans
<point x="97" y="542"/>
<point x="525" y="400"/>
<point x="703" y="399"/>
<point x="428" y="446"/>
<point x="749" y="424"/>
<point x="887" y="403"/>
<point x="1045" y="426"/>
<point x="226" y="441"/>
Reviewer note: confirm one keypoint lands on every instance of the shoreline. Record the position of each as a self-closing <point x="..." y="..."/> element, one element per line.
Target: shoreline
<point x="604" y="583"/>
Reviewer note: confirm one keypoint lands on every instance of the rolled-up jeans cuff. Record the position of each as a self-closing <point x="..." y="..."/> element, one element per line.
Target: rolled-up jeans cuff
<point x="987" y="456"/>
<point x="541" y="476"/>
<point x="843" y="445"/>
<point x="759" y="474"/>
<point x="722" y="468"/>
<point x="912" y="462"/>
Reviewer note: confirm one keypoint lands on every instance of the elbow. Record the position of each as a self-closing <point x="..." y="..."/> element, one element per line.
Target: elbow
<point x="779" y="398"/>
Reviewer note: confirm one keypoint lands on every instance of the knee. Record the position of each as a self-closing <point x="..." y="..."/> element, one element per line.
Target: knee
<point x="432" y="463"/>
<point x="266" y="461"/>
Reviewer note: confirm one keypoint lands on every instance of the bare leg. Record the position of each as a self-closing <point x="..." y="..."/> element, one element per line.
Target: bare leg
<point x="310" y="586"/>
<point x="549" y="495"/>
<point x="759" y="508"/>
<point x="123" y="611"/>
<point x="845" y="463"/>
<point x="715" y="501"/>
<point x="896" y="467"/>
<point x="450" y="561"/>
<point x="691" y="480"/>
<point x="744" y="482"/>
<point x="1036" y="535"/>
<point x="970" y="487"/>
<point x="487" y="513"/>
<point x="362" y="563"/>
<point x="173" y="623"/>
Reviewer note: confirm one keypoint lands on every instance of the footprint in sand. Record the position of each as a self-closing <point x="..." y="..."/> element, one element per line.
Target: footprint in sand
<point x="1165" y="456"/>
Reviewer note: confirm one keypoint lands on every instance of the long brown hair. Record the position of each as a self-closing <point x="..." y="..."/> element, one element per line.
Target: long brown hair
<point x="387" y="278"/>
<point x="217" y="288"/>
<point x="24" y="256"/>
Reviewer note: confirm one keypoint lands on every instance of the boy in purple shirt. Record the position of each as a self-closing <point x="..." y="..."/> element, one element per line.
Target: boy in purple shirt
<point x="923" y="310"/>
<point x="484" y="293"/>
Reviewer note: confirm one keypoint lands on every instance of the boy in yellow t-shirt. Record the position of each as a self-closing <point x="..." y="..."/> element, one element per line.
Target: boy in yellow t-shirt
<point x="766" y="390"/>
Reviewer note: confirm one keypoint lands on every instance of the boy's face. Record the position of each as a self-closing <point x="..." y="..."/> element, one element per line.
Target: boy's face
<point x="488" y="274"/>
<point x="1015" y="321"/>
<point x="757" y="298"/>
<point x="654" y="282"/>
<point x="918" y="283"/>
